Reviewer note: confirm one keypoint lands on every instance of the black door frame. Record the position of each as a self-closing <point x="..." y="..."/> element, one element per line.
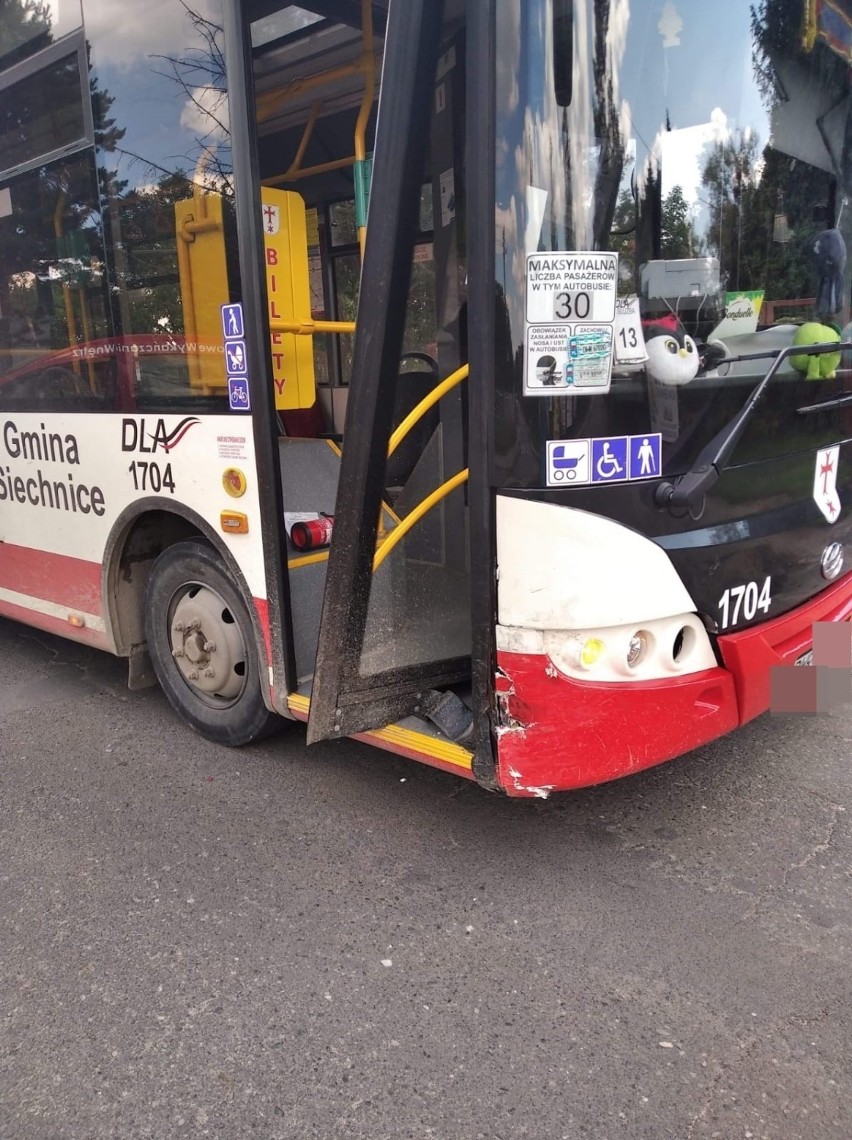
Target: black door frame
<point x="342" y="700"/>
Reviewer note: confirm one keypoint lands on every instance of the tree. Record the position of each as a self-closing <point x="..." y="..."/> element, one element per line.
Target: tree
<point x="730" y="178"/>
<point x="622" y="239"/>
<point x="678" y="238"/>
<point x="201" y="76"/>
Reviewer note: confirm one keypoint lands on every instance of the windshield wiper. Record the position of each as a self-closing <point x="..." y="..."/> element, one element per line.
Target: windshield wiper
<point x="825" y="406"/>
<point x="690" y="490"/>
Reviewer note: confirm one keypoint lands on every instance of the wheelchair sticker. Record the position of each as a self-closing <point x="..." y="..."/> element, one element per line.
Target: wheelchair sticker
<point x="609" y="460"/>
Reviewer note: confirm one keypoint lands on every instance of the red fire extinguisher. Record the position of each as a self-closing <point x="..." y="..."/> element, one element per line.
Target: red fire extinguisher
<point x="312" y="534"/>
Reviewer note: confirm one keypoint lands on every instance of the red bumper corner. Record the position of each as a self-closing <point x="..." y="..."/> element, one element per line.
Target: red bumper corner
<point x="751" y="655"/>
<point x="563" y="734"/>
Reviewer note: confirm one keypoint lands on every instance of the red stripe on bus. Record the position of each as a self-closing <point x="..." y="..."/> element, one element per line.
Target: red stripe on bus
<point x="261" y="608"/>
<point x="56" y="578"/>
<point x="56" y="625"/>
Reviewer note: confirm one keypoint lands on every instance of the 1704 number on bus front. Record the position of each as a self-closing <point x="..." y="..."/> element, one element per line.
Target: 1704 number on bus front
<point x="743" y="603"/>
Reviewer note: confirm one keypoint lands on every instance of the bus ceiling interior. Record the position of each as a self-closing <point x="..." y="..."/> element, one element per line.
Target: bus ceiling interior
<point x="317" y="73"/>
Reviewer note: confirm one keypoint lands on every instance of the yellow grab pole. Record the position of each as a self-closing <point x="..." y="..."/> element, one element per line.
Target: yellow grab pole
<point x="309" y="327"/>
<point x="425" y="404"/>
<point x="398" y="533"/>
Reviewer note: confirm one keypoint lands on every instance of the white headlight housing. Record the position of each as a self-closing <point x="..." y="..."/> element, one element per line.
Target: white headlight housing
<point x="666" y="647"/>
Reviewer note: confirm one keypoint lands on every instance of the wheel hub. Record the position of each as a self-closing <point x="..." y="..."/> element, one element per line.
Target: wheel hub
<point x="207" y="646"/>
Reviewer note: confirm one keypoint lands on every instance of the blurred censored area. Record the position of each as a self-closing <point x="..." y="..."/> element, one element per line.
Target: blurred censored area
<point x="825" y="683"/>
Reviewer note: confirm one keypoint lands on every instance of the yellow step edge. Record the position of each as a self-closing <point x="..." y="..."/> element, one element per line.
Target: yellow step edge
<point x="444" y="750"/>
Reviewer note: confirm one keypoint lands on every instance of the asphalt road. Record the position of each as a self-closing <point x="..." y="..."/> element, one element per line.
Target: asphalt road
<point x="292" y="943"/>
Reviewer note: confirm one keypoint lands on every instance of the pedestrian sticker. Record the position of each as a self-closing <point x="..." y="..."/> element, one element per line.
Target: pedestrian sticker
<point x="825" y="483"/>
<point x="235" y="357"/>
<point x="617" y="459"/>
<point x="570" y="321"/>
<point x="232" y="322"/>
<point x="567" y="462"/>
<point x="238" y="394"/>
<point x="645" y="456"/>
<point x="609" y="460"/>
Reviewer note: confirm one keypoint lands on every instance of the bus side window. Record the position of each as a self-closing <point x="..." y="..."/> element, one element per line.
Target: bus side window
<point x="55" y="350"/>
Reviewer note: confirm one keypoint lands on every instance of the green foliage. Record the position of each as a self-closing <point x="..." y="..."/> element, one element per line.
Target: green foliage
<point x="678" y="236"/>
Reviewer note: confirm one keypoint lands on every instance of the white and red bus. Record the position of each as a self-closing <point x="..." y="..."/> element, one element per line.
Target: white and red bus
<point x="528" y="311"/>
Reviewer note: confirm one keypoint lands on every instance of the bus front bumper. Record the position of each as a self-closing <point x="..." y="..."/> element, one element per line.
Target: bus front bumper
<point x="557" y="733"/>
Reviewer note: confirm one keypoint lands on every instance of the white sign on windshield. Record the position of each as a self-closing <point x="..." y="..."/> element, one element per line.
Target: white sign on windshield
<point x="571" y="311"/>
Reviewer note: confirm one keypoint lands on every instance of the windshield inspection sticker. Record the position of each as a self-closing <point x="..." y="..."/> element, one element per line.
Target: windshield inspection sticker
<point x="618" y="459"/>
<point x="571" y="313"/>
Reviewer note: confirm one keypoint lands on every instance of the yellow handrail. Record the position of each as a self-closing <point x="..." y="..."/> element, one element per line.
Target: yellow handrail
<point x="425" y="404"/>
<point x="398" y="533"/>
<point x="309" y="327"/>
<point x="307" y="172"/>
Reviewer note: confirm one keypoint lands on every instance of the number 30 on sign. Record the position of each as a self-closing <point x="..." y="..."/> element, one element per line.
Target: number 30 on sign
<point x="741" y="603"/>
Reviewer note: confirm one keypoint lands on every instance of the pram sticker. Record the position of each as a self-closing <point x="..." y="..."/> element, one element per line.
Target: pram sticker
<point x="568" y="462"/>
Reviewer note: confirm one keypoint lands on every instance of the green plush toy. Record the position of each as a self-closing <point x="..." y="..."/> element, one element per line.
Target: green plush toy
<point x="822" y="365"/>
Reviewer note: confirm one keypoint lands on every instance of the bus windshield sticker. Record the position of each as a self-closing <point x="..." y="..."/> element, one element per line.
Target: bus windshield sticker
<point x="629" y="338"/>
<point x="619" y="459"/>
<point x="571" y="314"/>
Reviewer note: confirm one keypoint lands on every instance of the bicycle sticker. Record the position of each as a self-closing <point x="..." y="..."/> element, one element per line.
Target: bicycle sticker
<point x="238" y="394"/>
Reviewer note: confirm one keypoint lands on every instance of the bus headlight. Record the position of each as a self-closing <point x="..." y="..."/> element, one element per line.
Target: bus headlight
<point x="639" y="647"/>
<point x="665" y="647"/>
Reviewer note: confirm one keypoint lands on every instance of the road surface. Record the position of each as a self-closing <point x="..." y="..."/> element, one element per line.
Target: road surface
<point x="292" y="944"/>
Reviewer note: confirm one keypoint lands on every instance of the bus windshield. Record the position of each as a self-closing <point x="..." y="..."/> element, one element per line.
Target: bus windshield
<point x="707" y="147"/>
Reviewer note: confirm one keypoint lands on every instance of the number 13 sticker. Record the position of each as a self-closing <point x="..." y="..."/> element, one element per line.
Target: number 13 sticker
<point x="629" y="338"/>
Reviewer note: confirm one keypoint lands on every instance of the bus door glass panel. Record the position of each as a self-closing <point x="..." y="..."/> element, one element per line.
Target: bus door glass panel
<point x="708" y="145"/>
<point x="164" y="164"/>
<point x="421" y="324"/>
<point x="419" y="610"/>
<point x="406" y="612"/>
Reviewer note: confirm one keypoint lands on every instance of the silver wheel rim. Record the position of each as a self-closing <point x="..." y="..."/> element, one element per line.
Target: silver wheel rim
<point x="207" y="646"/>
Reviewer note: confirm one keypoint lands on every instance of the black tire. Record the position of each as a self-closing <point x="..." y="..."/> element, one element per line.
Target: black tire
<point x="202" y="646"/>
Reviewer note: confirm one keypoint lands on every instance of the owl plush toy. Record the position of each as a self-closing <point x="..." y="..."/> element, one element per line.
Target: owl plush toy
<point x="673" y="356"/>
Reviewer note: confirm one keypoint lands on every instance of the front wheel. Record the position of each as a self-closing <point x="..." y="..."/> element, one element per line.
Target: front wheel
<point x="202" y="646"/>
